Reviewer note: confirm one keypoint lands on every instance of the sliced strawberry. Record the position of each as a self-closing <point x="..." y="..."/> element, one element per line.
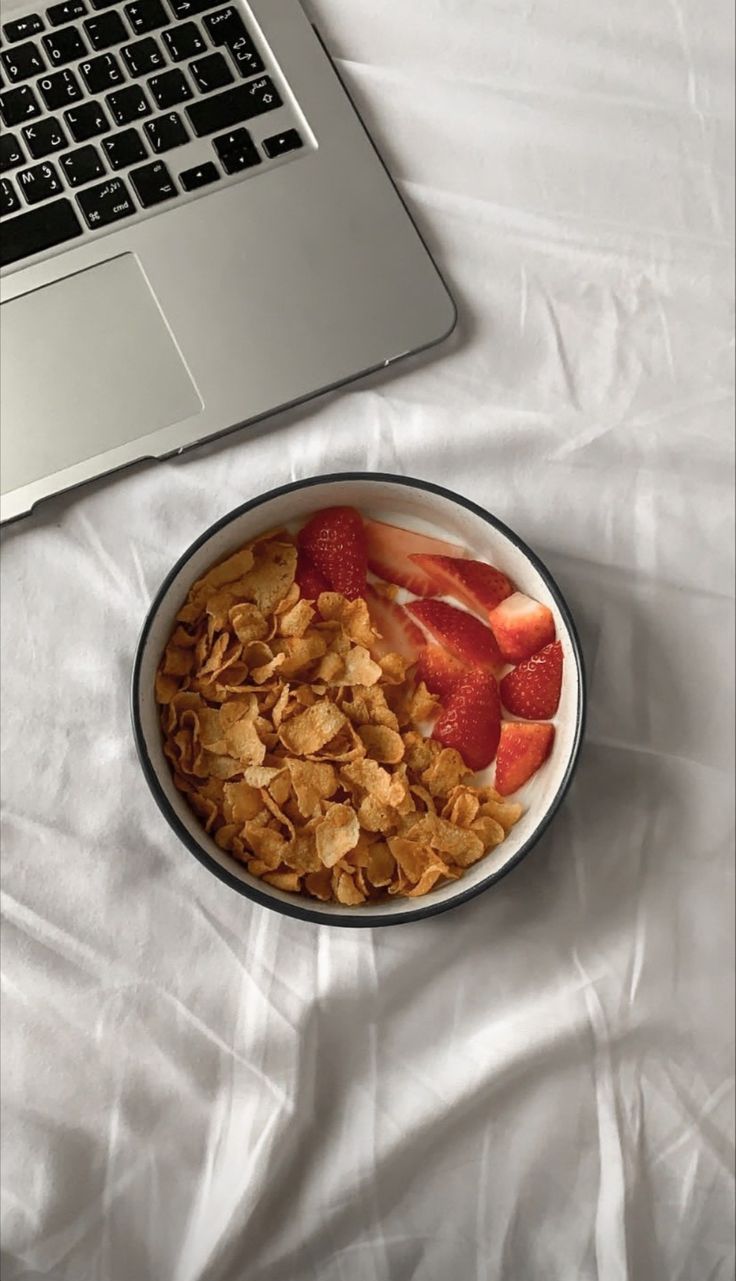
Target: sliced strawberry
<point x="461" y="633"/>
<point x="475" y="584"/>
<point x="390" y="549"/>
<point x="522" y="627"/>
<point x="471" y="721"/>
<point x="308" y="577"/>
<point x="334" y="540"/>
<point x="532" y="690"/>
<point x="524" y="746"/>
<point x="439" y="670"/>
<point x="399" y="635"/>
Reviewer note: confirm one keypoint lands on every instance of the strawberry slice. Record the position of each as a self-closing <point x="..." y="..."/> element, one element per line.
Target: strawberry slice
<point x="471" y="721"/>
<point x="311" y="582"/>
<point x="399" y="635"/>
<point x="524" y="746"/>
<point x="461" y="633"/>
<point x="334" y="540"/>
<point x="439" y="671"/>
<point x="532" y="690"/>
<point x="475" y="584"/>
<point x="390" y="549"/>
<point x="522" y="627"/>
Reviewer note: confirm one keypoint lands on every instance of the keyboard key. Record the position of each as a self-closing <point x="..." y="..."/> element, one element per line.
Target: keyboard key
<point x="45" y="136"/>
<point x="211" y="73"/>
<point x="18" y="105"/>
<point x="188" y="8"/>
<point x="200" y="176"/>
<point x="226" y="28"/>
<point x="233" y="106"/>
<point x="22" y="61"/>
<point x="9" y="201"/>
<point x="38" y="229"/>
<point x="83" y="165"/>
<point x="102" y="4"/>
<point x="124" y="149"/>
<point x="58" y="14"/>
<point x="237" y="151"/>
<point x="60" y="89"/>
<point x="153" y="183"/>
<point x="106" y="30"/>
<point x="39" y="183"/>
<point x="108" y="202"/>
<point x="103" y="73"/>
<point x="143" y="56"/>
<point x="128" y="104"/>
<point x="64" y="46"/>
<point x="11" y="152"/>
<point x="289" y="140"/>
<point x="166" y="132"/>
<point x="169" y="89"/>
<point x="146" y="15"/>
<point x="22" y="28"/>
<point x="185" y="41"/>
<point x="87" y="121"/>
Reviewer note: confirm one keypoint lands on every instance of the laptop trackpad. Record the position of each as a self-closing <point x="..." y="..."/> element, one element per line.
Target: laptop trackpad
<point x="88" y="364"/>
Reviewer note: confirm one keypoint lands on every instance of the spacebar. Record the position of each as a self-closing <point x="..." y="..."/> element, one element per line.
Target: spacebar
<point x="38" y="229"/>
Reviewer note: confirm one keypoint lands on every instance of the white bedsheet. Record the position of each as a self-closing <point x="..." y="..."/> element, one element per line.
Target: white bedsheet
<point x="539" y="1086"/>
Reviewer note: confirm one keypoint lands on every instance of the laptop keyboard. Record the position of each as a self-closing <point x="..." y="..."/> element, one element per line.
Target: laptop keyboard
<point x="98" y="101"/>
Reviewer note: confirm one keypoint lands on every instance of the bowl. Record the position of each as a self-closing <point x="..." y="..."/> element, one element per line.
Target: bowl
<point x="429" y="509"/>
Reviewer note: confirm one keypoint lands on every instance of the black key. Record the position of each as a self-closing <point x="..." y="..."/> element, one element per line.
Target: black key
<point x="183" y="42"/>
<point x="153" y="183"/>
<point x="64" y="46"/>
<point x="22" y="61"/>
<point x="143" y="56"/>
<point x="170" y="88"/>
<point x="45" y="136"/>
<point x="87" y="121"/>
<point x="108" y="202"/>
<point x="39" y="183"/>
<point x="106" y="30"/>
<point x="233" y="106"/>
<point x="38" y="229"/>
<point x="11" y="152"/>
<point x="188" y="8"/>
<point x="102" y="4"/>
<point x="9" y="202"/>
<point x="128" y="104"/>
<point x="58" y="14"/>
<point x="166" y="132"/>
<point x="83" y="165"/>
<point x="237" y="151"/>
<point x="60" y="89"/>
<point x="211" y="72"/>
<point x="103" y="73"/>
<point x="21" y="28"/>
<point x="124" y="149"/>
<point x="289" y="140"/>
<point x="146" y="15"/>
<point x="226" y="27"/>
<point x="200" y="176"/>
<point x="18" y="105"/>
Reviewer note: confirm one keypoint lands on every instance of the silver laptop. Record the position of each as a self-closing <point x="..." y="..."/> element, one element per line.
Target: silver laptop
<point x="195" y="231"/>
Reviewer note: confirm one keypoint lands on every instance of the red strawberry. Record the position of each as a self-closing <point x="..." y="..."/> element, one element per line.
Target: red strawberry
<point x="334" y="540"/>
<point x="399" y="635"/>
<point x="308" y="577"/>
<point x="471" y="721"/>
<point x="475" y="584"/>
<point x="522" y="627"/>
<point x="439" y="671"/>
<point x="524" y="746"/>
<point x="390" y="549"/>
<point x="461" y="633"/>
<point x="532" y="690"/>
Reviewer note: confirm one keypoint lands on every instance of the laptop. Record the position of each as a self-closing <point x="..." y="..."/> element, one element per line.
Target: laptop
<point x="195" y="231"/>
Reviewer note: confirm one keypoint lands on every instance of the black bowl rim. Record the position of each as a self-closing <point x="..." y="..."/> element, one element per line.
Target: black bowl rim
<point x="299" y="909"/>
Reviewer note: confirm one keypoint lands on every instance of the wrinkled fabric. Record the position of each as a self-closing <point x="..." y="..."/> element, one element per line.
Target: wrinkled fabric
<point x="539" y="1085"/>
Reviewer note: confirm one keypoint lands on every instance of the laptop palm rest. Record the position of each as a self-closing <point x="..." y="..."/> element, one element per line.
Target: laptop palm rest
<point x="87" y="364"/>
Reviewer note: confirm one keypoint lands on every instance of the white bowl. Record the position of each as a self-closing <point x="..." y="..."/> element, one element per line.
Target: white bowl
<point x="425" y="507"/>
